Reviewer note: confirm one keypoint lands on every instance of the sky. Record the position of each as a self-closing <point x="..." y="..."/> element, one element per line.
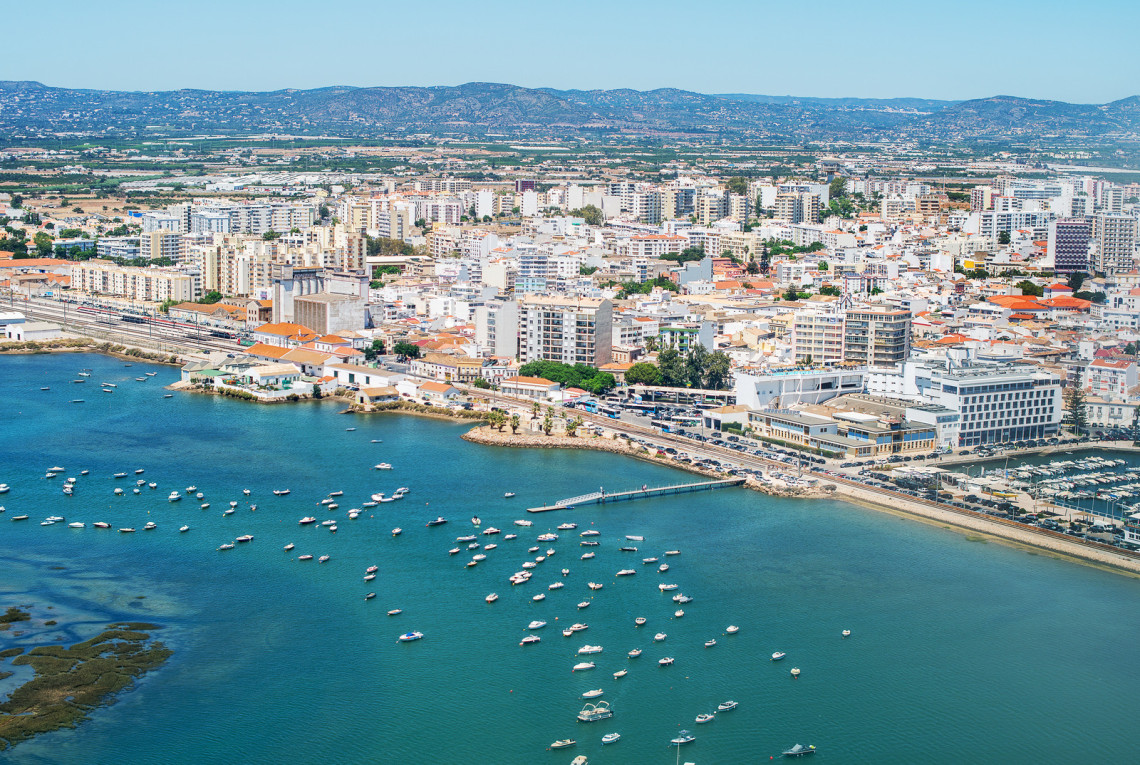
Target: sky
<point x="1068" y="51"/>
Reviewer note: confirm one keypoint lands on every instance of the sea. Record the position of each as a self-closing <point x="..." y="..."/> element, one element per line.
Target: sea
<point x="962" y="649"/>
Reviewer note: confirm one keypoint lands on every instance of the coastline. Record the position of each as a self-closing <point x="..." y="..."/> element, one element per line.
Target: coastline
<point x="75" y="345"/>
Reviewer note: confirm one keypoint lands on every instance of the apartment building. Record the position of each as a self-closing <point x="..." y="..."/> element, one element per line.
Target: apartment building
<point x="817" y="337"/>
<point x="997" y="404"/>
<point x="1108" y="378"/>
<point x="565" y="329"/>
<point x="1068" y="245"/>
<point x="150" y="284"/>
<point x="876" y="336"/>
<point x="1115" y="243"/>
<point x="162" y="244"/>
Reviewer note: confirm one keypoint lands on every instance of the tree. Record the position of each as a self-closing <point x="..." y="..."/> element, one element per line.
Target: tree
<point x="718" y="370"/>
<point x="482" y="384"/>
<point x="837" y="189"/>
<point x="737" y="185"/>
<point x="672" y="367"/>
<point x="497" y="420"/>
<point x="515" y="422"/>
<point x="374" y="350"/>
<point x="573" y="425"/>
<point x="1003" y="237"/>
<point x="535" y="408"/>
<point x="587" y="270"/>
<point x="1029" y="288"/>
<point x="752" y="268"/>
<point x="686" y="255"/>
<point x="548" y="421"/>
<point x="270" y="235"/>
<point x="590" y="213"/>
<point x="1093" y="297"/>
<point x="822" y="265"/>
<point x="828" y="289"/>
<point x="17" y="201"/>
<point x="406" y="350"/>
<point x="1075" y="405"/>
<point x="43" y="243"/>
<point x="651" y="344"/>
<point x="211" y="297"/>
<point x="695" y="361"/>
<point x="317" y="391"/>
<point x="643" y="373"/>
<point x="791" y="294"/>
<point x="1076" y="279"/>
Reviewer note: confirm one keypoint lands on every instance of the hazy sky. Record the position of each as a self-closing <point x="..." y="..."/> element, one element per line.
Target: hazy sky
<point x="1071" y="51"/>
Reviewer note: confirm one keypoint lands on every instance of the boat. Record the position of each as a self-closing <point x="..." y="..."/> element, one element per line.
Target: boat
<point x="397" y="531"/>
<point x="595" y="711"/>
<point x="578" y="627"/>
<point x="508" y="495"/>
<point x="567" y="632"/>
<point x="665" y="661"/>
<point x="369" y="577"/>
<point x="662" y="568"/>
<point x="530" y="639"/>
<point x="590" y="533"/>
<point x="666" y="587"/>
<point x="174" y="497"/>
<point x="118" y="492"/>
<point x="593" y="694"/>
<point x="19" y="517"/>
<point x="45" y="388"/>
<point x="47" y="523"/>
<point x="228" y="511"/>
<point x="567" y="526"/>
<point x="799" y="750"/>
<point x="150" y="374"/>
<point x="76" y="525"/>
<point x="150" y="526"/>
<point x="370" y="596"/>
<point x="684" y="737"/>
<point x="626" y="572"/>
<point x="595" y="585"/>
<point x="583" y="666"/>
<point x="408" y="637"/>
<point x="627" y="549"/>
<point x="466" y="538"/>
<point x="349" y="430"/>
<point x="580" y="760"/>
<point x="659" y="637"/>
<point x="492" y="597"/>
<point x="795" y="672"/>
<point x="117" y="475"/>
<point x="395" y="612"/>
<point x="732" y="629"/>
<point x="565" y="572"/>
<point x="537" y="624"/>
<point x="584" y="604"/>
<point x="183" y="529"/>
<point x="562" y="743"/>
<point x="490" y="531"/>
<point x="586" y="650"/>
<point x="439" y="521"/>
<point x="678" y="614"/>
<point x="539" y="597"/>
<point x="634" y="653"/>
<point x="206" y="506"/>
<point x="639" y="621"/>
<point x="778" y="655"/>
<point x="281" y="492"/>
<point x="648" y="560"/>
<point x="523" y="522"/>
<point x="621" y="673"/>
<point x="453" y="551"/>
<point x="672" y="552"/>
<point x="140" y="379"/>
<point x="245" y="538"/>
<point x="555" y="586"/>
<point x="704" y="718"/>
<point x="490" y="546"/>
<point x="710" y="643"/>
<point x="511" y="536"/>
<point x="679" y="598"/>
<point x="611" y="738"/>
<point x="246" y="492"/>
<point x="151" y="485"/>
<point x="727" y="706"/>
<point x="846" y="633"/>
<point x="84" y="472"/>
<point x="587" y="556"/>
<point x="382" y="466"/>
<point x="323" y="559"/>
<point x="140" y="471"/>
<point x="227" y="546"/>
<point x="529" y="564"/>
<point x="289" y="547"/>
<point x="304" y="557"/>
<point x="101" y="525"/>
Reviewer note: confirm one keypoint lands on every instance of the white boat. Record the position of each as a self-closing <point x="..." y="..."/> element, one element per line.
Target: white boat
<point x="732" y="629"/>
<point x="593" y="694"/>
<point x="47" y="523"/>
<point x="578" y="627"/>
<point x="183" y="529"/>
<point x="453" y="551"/>
<point x="672" y="552"/>
<point x="589" y="649"/>
<point x="206" y="506"/>
<point x="382" y="466"/>
<point x="233" y="502"/>
<point x="491" y="546"/>
<point x="228" y="511"/>
<point x="537" y="624"/>
<point x="567" y="526"/>
<point x="634" y="653"/>
<point x="523" y="522"/>
<point x="539" y="597"/>
<point x="598" y="711"/>
<point x="369" y="577"/>
<point x="289" y="547"/>
<point x="226" y="546"/>
<point x="101" y="525"/>
<point x="140" y="471"/>
<point x="565" y="572"/>
<point x="490" y="531"/>
<point x="562" y="743"/>
<point x="511" y="536"/>
<point x="370" y="596"/>
<point x="395" y="612"/>
<point x="368" y="504"/>
<point x="567" y="632"/>
<point x="634" y="538"/>
<point x="590" y="533"/>
<point x="583" y="666"/>
<point x="408" y="637"/>
<point x="705" y="718"/>
<point x="530" y="639"/>
<point x="648" y="560"/>
<point x="778" y="655"/>
<point x="281" y="492"/>
<point x="152" y="485"/>
<point x="245" y="492"/>
<point x="174" y="497"/>
<point x="19" y="517"/>
<point x="662" y="568"/>
<point x="611" y="738"/>
<point x="710" y="643"/>
<point x="666" y="661"/>
<point x="679" y="598"/>
<point x="659" y="637"/>
<point x="118" y="492"/>
<point x="795" y="672"/>
<point x="556" y="586"/>
<point x="621" y="673"/>
<point x="150" y="526"/>
<point x="587" y="556"/>
<point x="678" y="614"/>
<point x="639" y="621"/>
<point x="76" y="525"/>
<point x="548" y="537"/>
<point x="846" y="633"/>
<point x="245" y="538"/>
<point x="323" y="559"/>
<point x="397" y="531"/>
<point x="666" y="587"/>
<point x="595" y="585"/>
<point x="5" y="488"/>
<point x="466" y="538"/>
<point x="492" y="597"/>
<point x="727" y="706"/>
<point x="626" y="572"/>
<point x="508" y="495"/>
<point x="684" y="737"/>
<point x="583" y="604"/>
<point x="304" y="557"/>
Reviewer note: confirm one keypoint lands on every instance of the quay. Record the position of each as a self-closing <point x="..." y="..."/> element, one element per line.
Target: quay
<point x="602" y="497"/>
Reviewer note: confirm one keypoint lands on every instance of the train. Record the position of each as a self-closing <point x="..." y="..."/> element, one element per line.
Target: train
<point x="108" y="315"/>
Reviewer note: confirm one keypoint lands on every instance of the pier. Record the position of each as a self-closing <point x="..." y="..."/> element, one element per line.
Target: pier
<point x="602" y="497"/>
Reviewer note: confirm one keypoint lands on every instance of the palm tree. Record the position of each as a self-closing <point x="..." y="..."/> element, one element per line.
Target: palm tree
<point x="515" y="421"/>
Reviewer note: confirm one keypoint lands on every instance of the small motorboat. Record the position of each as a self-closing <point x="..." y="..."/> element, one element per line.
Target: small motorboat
<point x="537" y="624"/>
<point x="590" y="533"/>
<point x="530" y="639"/>
<point x="587" y="556"/>
<point x="492" y="597"/>
<point x="611" y="738"/>
<point x="846" y="633"/>
<point x="370" y="596"/>
<point x="408" y="637"/>
<point x="101" y="525"/>
<point x="639" y="621"/>
<point x="555" y="586"/>
<point x="118" y="492"/>
<point x="150" y="526"/>
<point x="508" y="495"/>
<point x="634" y="653"/>
<point x="183" y="529"/>
<point x="206" y="506"/>
<point x="672" y="552"/>
<point x="174" y="497"/>
<point x="281" y="492"/>
<point x="634" y="538"/>
<point x="584" y="604"/>
<point x="648" y="560"/>
<point x="582" y="666"/>
<point x="595" y="585"/>
<point x="627" y="549"/>
<point x="24" y="518"/>
<point x="395" y="612"/>
<point x="439" y="521"/>
<point x="621" y="673"/>
<point x="795" y="672"/>
<point x="662" y="568"/>
<point x="565" y="572"/>
<point x="453" y="551"/>
<point x="490" y="546"/>
<point x="289" y="547"/>
<point x="511" y="536"/>
<point x="659" y="637"/>
<point x="678" y="613"/>
<point x="732" y="629"/>
<point x="323" y="559"/>
<point x="727" y="706"/>
<point x="524" y="522"/>
<point x="586" y="650"/>
<point x="562" y="743"/>
<point x="245" y="538"/>
<point x="666" y="587"/>
<point x="710" y="643"/>
<point x="491" y="531"/>
<point x="778" y="656"/>
<point x="246" y="492"/>
<point x="626" y="572"/>
<point x="140" y="471"/>
<point x="579" y="627"/>
<point x="226" y="546"/>
<point x="799" y="750"/>
<point x="304" y="557"/>
<point x="705" y="718"/>
<point x="152" y="485"/>
<point x="466" y="538"/>
<point x="665" y="661"/>
<point x="76" y="525"/>
<point x="539" y="597"/>
<point x="593" y="694"/>
<point x="684" y="737"/>
<point x="382" y="466"/>
<point x="369" y="577"/>
<point x="397" y="531"/>
<point x="567" y="526"/>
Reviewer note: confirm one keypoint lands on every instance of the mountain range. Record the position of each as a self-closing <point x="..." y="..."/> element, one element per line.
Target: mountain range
<point x="473" y="109"/>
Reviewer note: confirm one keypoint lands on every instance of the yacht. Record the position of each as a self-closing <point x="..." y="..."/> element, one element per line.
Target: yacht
<point x="490" y="531"/>
<point x="523" y="522"/>
<point x="539" y="597"/>
<point x="665" y="587"/>
<point x="245" y="538"/>
<point x="586" y="650"/>
<point x="508" y="495"/>
<point x="626" y="572"/>
<point x="150" y="526"/>
<point x="590" y="533"/>
<point x="778" y="655"/>
<point x="466" y="538"/>
<point x="492" y="597"/>
<point x="701" y="719"/>
<point x="587" y="556"/>
<point x="633" y="538"/>
<point x="659" y="637"/>
<point x="582" y="666"/>
<point x="408" y="637"/>
<point x="382" y="466"/>
<point x="599" y="711"/>
<point x="567" y="526"/>
<point x="727" y="706"/>
<point x="578" y="627"/>
<point x="684" y="737"/>
<point x="548" y="537"/>
<point x="556" y="586"/>
<point x="530" y="639"/>
<point x="799" y="750"/>
<point x="562" y="743"/>
<point x="648" y="560"/>
<point x="593" y="694"/>
<point x="101" y="525"/>
<point x="634" y="653"/>
<point x="439" y="521"/>
<point x="537" y="624"/>
<point x="611" y="738"/>
<point x="511" y="536"/>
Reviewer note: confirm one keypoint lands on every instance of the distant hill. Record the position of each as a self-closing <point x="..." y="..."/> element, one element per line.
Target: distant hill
<point x="30" y="108"/>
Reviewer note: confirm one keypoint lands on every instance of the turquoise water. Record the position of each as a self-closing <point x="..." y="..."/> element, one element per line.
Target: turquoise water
<point x="962" y="651"/>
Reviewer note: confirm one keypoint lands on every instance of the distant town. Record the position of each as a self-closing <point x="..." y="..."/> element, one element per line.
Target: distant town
<point x="859" y="308"/>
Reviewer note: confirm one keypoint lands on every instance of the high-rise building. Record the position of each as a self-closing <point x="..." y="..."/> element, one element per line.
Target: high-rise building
<point x="569" y="330"/>
<point x="1069" y="245"/>
<point x="876" y="336"/>
<point x="1115" y="243"/>
<point x="817" y="337"/>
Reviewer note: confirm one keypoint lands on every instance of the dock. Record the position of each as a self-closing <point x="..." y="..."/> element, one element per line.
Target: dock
<point x="645" y="492"/>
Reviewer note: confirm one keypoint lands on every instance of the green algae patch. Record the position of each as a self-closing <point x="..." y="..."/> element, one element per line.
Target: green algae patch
<point x="70" y="682"/>
<point x="14" y="614"/>
<point x="8" y="653"/>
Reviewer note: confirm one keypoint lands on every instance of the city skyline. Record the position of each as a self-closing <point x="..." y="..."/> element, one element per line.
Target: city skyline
<point x="833" y="51"/>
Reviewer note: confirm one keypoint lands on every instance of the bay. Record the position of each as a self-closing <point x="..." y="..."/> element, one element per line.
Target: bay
<point x="962" y="650"/>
